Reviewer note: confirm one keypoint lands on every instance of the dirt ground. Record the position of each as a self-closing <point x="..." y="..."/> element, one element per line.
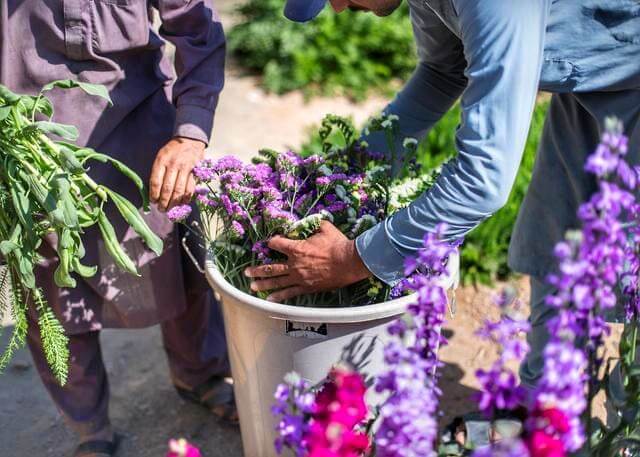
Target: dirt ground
<point x="144" y="407"/>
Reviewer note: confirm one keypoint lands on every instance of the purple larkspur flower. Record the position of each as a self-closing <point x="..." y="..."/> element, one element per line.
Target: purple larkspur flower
<point x="293" y="407"/>
<point x="500" y="390"/>
<point x="591" y="265"/>
<point x="179" y="213"/>
<point x="408" y="418"/>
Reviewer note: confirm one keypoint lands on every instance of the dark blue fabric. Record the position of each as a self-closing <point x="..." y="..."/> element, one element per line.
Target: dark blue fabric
<point x="303" y="10"/>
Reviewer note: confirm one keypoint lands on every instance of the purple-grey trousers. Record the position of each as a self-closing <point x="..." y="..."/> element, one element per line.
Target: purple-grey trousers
<point x="195" y="347"/>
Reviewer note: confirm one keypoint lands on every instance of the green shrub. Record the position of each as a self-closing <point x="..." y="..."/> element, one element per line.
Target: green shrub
<point x="347" y="53"/>
<point x="484" y="253"/>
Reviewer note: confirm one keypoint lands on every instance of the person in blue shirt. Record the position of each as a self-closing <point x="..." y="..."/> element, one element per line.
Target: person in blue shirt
<point x="493" y="56"/>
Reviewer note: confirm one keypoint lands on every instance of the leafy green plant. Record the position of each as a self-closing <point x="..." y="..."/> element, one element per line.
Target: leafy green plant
<point x="348" y="53"/>
<point x="484" y="253"/>
<point x="45" y="190"/>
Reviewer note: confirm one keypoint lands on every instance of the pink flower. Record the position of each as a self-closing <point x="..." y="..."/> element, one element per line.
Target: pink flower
<point x="182" y="448"/>
<point x="543" y="445"/>
<point x="338" y="413"/>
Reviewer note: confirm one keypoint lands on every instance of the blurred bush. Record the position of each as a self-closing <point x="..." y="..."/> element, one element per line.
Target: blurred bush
<point x="347" y="53"/>
<point x="484" y="253"/>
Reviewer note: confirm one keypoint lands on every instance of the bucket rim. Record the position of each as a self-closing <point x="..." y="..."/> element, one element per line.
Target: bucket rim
<point x="351" y="314"/>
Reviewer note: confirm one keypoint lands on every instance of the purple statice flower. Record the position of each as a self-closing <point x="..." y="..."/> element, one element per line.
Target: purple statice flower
<point x="227" y="164"/>
<point x="278" y="216"/>
<point x="304" y="202"/>
<point x="201" y="189"/>
<point x="336" y="207"/>
<point x="288" y="161"/>
<point x="262" y="251"/>
<point x="179" y="213"/>
<point x="204" y="170"/>
<point x="408" y="418"/>
<point x="313" y="161"/>
<point x="338" y="177"/>
<point x="288" y="181"/>
<point x="293" y="407"/>
<point x="236" y="230"/>
<point x="271" y="194"/>
<point x="232" y="208"/>
<point x="323" y="181"/>
<point x="205" y="201"/>
<point x="260" y="173"/>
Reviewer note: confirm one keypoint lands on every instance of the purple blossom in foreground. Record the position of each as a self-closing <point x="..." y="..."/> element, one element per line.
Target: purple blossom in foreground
<point x="294" y="405"/>
<point x="408" y="418"/>
<point x="179" y="213"/>
<point x="591" y="264"/>
<point x="500" y="390"/>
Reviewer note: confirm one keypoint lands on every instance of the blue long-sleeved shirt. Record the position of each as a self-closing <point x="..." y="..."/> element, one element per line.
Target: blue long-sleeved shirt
<point x="494" y="55"/>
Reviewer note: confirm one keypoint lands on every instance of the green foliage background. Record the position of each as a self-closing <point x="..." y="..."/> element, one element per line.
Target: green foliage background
<point x="347" y="53"/>
<point x="484" y="253"/>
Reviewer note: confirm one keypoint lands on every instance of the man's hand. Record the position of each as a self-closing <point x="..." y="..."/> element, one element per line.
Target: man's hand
<point x="325" y="261"/>
<point x="171" y="181"/>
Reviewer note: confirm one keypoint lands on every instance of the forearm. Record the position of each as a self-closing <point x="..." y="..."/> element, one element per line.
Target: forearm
<point x="195" y="30"/>
<point x="426" y="97"/>
<point x="503" y="49"/>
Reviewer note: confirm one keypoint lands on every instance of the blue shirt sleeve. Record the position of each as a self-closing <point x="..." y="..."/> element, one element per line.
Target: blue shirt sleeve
<point x="502" y="44"/>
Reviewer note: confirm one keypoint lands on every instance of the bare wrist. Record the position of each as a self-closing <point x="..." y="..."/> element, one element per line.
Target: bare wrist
<point x="358" y="269"/>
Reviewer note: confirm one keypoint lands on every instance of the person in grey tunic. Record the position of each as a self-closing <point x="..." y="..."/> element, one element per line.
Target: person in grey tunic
<point x="494" y="56"/>
<point x="159" y="126"/>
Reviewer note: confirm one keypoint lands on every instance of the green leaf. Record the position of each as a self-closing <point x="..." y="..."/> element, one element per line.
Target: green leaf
<point x="61" y="276"/>
<point x="83" y="270"/>
<point x="69" y="160"/>
<point x="89" y="154"/>
<point x="92" y="89"/>
<point x="4" y="112"/>
<point x="8" y="96"/>
<point x="113" y="247"/>
<point x="7" y="246"/>
<point x="68" y="132"/>
<point x="134" y="219"/>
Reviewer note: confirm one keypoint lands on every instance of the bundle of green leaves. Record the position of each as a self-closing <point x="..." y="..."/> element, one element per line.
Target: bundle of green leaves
<point x="45" y="189"/>
<point x="347" y="53"/>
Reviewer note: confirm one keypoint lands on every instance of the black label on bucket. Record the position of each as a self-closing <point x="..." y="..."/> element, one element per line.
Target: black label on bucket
<point x="305" y="330"/>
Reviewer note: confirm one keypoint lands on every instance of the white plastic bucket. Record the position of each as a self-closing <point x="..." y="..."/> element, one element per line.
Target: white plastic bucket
<point x="268" y="340"/>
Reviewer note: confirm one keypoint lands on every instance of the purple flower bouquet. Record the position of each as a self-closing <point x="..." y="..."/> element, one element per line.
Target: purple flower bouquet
<point x="243" y="205"/>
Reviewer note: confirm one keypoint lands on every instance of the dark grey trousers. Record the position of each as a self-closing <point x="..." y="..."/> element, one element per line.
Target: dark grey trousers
<point x="194" y="343"/>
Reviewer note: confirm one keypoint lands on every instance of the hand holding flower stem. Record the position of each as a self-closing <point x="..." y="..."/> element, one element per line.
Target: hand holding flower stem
<point x="325" y="261"/>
